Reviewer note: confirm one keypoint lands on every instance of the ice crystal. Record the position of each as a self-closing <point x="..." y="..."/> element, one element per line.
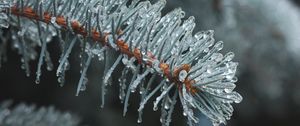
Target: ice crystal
<point x="147" y="43"/>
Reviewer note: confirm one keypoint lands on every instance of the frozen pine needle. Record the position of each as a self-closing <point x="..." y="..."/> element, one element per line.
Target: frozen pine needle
<point x="190" y="67"/>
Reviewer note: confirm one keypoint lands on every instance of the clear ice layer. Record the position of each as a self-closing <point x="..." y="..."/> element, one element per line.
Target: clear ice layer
<point x="148" y="44"/>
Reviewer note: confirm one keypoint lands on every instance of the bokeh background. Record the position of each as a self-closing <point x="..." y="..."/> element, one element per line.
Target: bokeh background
<point x="264" y="35"/>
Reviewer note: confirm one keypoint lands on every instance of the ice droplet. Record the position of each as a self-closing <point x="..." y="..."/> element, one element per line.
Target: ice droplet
<point x="182" y="75"/>
<point x="139" y="120"/>
<point x="229" y="56"/>
<point x="37" y="80"/>
<point x="167" y="106"/>
<point x="53" y="20"/>
<point x="138" y="80"/>
<point x="83" y="88"/>
<point x="155" y="108"/>
<point x="84" y="83"/>
<point x="184" y="113"/>
<point x="215" y="123"/>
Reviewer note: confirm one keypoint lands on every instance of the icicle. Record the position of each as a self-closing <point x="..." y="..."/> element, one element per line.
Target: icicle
<point x="187" y="111"/>
<point x="128" y="90"/>
<point x="103" y="87"/>
<point x="24" y="59"/>
<point x="187" y="97"/>
<point x="108" y="74"/>
<point x="61" y="78"/>
<point x="214" y="107"/>
<point x="158" y="99"/>
<point x="142" y="86"/>
<point x="122" y="81"/>
<point x="140" y="118"/>
<point x="138" y="80"/>
<point x="233" y="96"/>
<point x="62" y="62"/>
<point x="48" y="61"/>
<point x="144" y="93"/>
<point x="172" y="106"/>
<point x="83" y="78"/>
<point x="142" y="104"/>
<point x="149" y="84"/>
<point x="42" y="55"/>
<point x="226" y="86"/>
<point x="107" y="77"/>
<point x="204" y="108"/>
<point x="164" y="112"/>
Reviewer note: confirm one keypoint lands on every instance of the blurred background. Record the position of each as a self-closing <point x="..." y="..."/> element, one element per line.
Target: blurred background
<point x="264" y="35"/>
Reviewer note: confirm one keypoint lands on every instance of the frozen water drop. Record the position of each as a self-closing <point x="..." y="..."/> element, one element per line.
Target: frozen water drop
<point x="37" y="80"/>
<point x="155" y="108"/>
<point x="215" y="123"/>
<point x="167" y="106"/>
<point x="229" y="56"/>
<point x="206" y="50"/>
<point x="139" y="120"/>
<point x="53" y="20"/>
<point x="182" y="75"/>
<point x="184" y="113"/>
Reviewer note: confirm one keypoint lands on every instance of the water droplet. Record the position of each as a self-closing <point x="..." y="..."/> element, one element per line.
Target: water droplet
<point x="37" y="81"/>
<point x="49" y="68"/>
<point x="53" y="20"/>
<point x="215" y="123"/>
<point x="132" y="90"/>
<point x="59" y="79"/>
<point x="229" y="56"/>
<point x="155" y="108"/>
<point x="206" y="50"/>
<point x="167" y="106"/>
<point x="83" y="88"/>
<point x="219" y="45"/>
<point x="184" y="113"/>
<point x="139" y="120"/>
